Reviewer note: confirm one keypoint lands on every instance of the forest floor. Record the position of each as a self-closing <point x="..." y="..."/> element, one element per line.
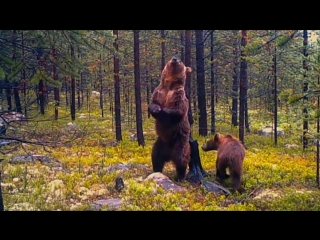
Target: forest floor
<point x="81" y="175"/>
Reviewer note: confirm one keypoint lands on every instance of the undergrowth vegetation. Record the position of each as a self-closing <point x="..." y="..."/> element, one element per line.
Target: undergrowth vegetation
<point x="275" y="178"/>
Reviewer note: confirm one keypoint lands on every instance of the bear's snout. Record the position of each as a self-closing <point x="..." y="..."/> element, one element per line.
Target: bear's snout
<point x="174" y="59"/>
<point x="204" y="147"/>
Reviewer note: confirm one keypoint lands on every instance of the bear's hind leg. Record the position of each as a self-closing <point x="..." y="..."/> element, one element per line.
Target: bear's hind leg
<point x="236" y="181"/>
<point x="181" y="159"/>
<point x="159" y="156"/>
<point x="221" y="171"/>
<point x="181" y="170"/>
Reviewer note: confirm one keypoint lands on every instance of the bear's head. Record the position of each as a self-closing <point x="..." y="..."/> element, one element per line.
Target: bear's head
<point x="213" y="144"/>
<point x="175" y="72"/>
<point x="217" y="140"/>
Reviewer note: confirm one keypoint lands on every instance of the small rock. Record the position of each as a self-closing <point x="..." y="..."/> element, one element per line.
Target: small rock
<point x="288" y="145"/>
<point x="8" y="186"/>
<point x="45" y="160"/>
<point x="59" y="169"/>
<point x="165" y="182"/>
<point x="133" y="137"/>
<point x="118" y="166"/>
<point x="112" y="203"/>
<point x="71" y="126"/>
<point x="15" y="180"/>
<point x="95" y="93"/>
<point x="269" y="130"/>
<point x="124" y="167"/>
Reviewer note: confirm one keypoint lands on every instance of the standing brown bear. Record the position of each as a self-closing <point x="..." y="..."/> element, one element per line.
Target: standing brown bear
<point x="169" y="106"/>
<point x="230" y="154"/>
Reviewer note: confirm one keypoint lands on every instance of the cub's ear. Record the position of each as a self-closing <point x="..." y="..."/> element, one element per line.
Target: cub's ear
<point x="216" y="136"/>
<point x="188" y="69"/>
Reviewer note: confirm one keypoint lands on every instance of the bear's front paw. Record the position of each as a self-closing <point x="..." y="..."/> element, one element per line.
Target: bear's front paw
<point x="154" y="108"/>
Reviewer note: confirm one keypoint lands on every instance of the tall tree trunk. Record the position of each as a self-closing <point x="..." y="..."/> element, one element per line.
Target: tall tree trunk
<point x="41" y="95"/>
<point x="101" y="87"/>
<point x="8" y="95"/>
<point x="81" y="88"/>
<point x="243" y="85"/>
<point x="216" y="94"/>
<point x="55" y="89"/>
<point x="188" y="38"/>
<point x="111" y="98"/>
<point x="305" y="88"/>
<point x="73" y="92"/>
<point x="15" y="84"/>
<point x="182" y="38"/>
<point x="213" y="118"/>
<point x="246" y="115"/>
<point x="124" y="96"/>
<point x="188" y="34"/>
<point x="148" y="88"/>
<point x="193" y="88"/>
<point x="163" y="49"/>
<point x="78" y="92"/>
<point x="88" y="100"/>
<point x="275" y="90"/>
<point x="24" y="78"/>
<point x="67" y="90"/>
<point x="41" y="87"/>
<point x="235" y="83"/>
<point x="203" y="128"/>
<point x="117" y="102"/>
<point x="136" y="46"/>
<point x="17" y="98"/>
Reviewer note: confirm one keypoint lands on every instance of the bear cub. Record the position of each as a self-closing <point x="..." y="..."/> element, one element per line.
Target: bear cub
<point x="230" y="154"/>
<point x="169" y="106"/>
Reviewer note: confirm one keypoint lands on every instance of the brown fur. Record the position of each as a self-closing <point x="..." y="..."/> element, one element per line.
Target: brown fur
<point x="169" y="106"/>
<point x="231" y="154"/>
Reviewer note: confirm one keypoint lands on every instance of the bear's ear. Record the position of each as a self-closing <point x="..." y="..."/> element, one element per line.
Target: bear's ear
<point x="216" y="137"/>
<point x="188" y="69"/>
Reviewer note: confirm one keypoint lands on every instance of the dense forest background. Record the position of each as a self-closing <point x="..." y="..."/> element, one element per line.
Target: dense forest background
<point x="238" y="70"/>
